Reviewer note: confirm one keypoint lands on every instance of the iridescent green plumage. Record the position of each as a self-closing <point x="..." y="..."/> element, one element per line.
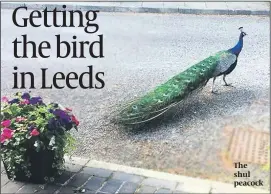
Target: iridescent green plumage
<point x="176" y="89"/>
<point x="171" y="92"/>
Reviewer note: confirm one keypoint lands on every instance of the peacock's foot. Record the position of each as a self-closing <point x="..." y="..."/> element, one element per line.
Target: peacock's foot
<point x="214" y="91"/>
<point x="229" y="85"/>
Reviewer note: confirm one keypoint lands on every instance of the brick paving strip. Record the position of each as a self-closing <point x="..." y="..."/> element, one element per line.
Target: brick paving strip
<point x="216" y="8"/>
<point x="90" y="176"/>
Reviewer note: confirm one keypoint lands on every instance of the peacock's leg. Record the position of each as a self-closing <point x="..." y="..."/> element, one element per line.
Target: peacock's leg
<point x="224" y="79"/>
<point x="213" y="86"/>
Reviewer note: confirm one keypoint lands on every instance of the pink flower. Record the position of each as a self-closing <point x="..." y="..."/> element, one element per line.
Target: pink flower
<point x="6" y="123"/>
<point x="75" y="120"/>
<point x="34" y="132"/>
<point x="68" y="109"/>
<point x="24" y="101"/>
<point x="6" y="134"/>
<point x="19" y="119"/>
<point x="3" y="139"/>
<point x="4" y="99"/>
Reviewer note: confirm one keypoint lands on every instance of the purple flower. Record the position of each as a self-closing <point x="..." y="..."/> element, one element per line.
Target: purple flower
<point x="53" y="124"/>
<point x="62" y="115"/>
<point x="31" y="127"/>
<point x="35" y="100"/>
<point x="57" y="124"/>
<point x="15" y="100"/>
<point x="26" y="96"/>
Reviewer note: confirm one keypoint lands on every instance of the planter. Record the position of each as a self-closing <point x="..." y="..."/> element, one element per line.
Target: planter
<point x="28" y="124"/>
<point x="41" y="167"/>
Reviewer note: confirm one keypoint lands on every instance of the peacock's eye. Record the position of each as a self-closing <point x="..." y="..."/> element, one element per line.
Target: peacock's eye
<point x="159" y="101"/>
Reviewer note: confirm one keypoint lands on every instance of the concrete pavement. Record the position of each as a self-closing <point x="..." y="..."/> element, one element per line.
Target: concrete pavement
<point x="224" y="8"/>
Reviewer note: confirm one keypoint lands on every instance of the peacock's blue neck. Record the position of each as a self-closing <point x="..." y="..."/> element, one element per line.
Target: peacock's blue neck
<point x="238" y="47"/>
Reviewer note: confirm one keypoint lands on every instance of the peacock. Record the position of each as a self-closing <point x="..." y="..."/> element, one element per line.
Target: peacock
<point x="175" y="90"/>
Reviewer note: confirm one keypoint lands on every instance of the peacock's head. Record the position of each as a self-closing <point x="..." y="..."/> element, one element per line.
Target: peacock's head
<point x="242" y="32"/>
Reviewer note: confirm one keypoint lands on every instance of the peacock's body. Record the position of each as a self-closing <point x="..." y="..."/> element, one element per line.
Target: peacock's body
<point x="176" y="89"/>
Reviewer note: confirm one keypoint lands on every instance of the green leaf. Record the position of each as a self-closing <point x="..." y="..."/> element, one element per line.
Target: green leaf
<point x="37" y="145"/>
<point x="14" y="109"/>
<point x="22" y="149"/>
<point x="18" y="139"/>
<point x="42" y="129"/>
<point x="52" y="141"/>
<point x="6" y="142"/>
<point x="63" y="128"/>
<point x="28" y="136"/>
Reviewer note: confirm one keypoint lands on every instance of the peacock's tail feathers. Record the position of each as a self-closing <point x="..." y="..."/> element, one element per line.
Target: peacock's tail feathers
<point x="169" y="94"/>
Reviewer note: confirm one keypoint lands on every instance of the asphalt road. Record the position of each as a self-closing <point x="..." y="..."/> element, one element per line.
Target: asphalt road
<point x="142" y="51"/>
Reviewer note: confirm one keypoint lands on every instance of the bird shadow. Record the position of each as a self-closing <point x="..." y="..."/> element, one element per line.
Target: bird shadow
<point x="202" y="106"/>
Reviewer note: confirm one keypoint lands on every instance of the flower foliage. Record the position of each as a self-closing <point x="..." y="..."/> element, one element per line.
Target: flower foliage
<point x="28" y="123"/>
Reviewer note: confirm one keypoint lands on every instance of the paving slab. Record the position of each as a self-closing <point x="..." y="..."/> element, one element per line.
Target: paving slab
<point x="258" y="5"/>
<point x="195" y="5"/>
<point x="73" y="167"/>
<point x="128" y="187"/>
<point x="79" y="179"/>
<point x="97" y="172"/>
<point x="161" y="191"/>
<point x="201" y="187"/>
<point x="159" y="183"/>
<point x="68" y="190"/>
<point x="146" y="189"/>
<point x="127" y="177"/>
<point x="94" y="183"/>
<point x="237" y="5"/>
<point x="177" y="191"/>
<point x="159" y="5"/>
<point x="4" y="179"/>
<point x="11" y="187"/>
<point x="131" y="4"/>
<point x="49" y="189"/>
<point x="216" y="5"/>
<point x="64" y="177"/>
<point x="30" y="188"/>
<point x="111" y="186"/>
<point x="174" y="5"/>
